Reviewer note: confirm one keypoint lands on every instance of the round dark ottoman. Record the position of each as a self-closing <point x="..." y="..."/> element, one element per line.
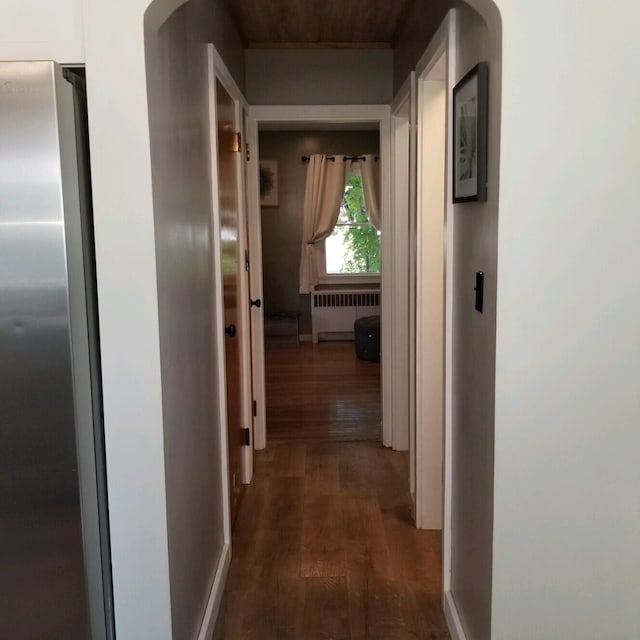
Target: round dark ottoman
<point x="367" y="337"/>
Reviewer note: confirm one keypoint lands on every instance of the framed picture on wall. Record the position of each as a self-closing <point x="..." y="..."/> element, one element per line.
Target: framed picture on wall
<point x="268" y="182"/>
<point x="470" y="118"/>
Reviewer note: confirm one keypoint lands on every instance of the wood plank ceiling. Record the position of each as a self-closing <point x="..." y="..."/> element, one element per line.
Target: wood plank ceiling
<point x="318" y="24"/>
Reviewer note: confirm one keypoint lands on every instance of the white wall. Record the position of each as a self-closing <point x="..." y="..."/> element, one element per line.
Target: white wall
<point x="181" y="173"/>
<point x="41" y="30"/>
<point x="567" y="413"/>
<point x="128" y="306"/>
<point x="356" y="76"/>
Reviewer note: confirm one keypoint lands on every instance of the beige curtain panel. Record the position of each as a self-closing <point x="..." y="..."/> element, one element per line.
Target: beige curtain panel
<point x="370" y="172"/>
<point x="323" y="196"/>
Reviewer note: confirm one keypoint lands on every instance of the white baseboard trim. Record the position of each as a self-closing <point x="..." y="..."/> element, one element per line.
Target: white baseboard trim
<point x="452" y="617"/>
<point x="215" y="595"/>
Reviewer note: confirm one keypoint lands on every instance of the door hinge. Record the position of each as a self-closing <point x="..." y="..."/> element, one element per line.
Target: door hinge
<point x="255" y="409"/>
<point x="248" y="151"/>
<point x="236" y="143"/>
<point x="246" y="437"/>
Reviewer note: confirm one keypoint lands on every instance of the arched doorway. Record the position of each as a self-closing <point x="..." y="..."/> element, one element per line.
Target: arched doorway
<point x="119" y="116"/>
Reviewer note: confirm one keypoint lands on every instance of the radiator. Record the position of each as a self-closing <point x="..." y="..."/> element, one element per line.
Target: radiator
<point x="336" y="311"/>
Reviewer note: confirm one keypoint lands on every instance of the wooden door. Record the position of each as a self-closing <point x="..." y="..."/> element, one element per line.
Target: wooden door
<point x="228" y="158"/>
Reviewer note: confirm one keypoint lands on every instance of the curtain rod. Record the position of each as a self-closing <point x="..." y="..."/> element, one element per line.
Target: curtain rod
<point x="332" y="158"/>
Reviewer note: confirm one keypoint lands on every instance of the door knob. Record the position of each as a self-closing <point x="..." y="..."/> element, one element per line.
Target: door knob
<point x="255" y="303"/>
<point x="230" y="330"/>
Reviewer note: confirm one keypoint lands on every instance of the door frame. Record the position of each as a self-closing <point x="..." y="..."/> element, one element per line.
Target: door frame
<point x="223" y="75"/>
<point x="430" y="292"/>
<point x="341" y="114"/>
<point x="443" y="44"/>
<point x="218" y="357"/>
<point x="217" y="70"/>
<point x="403" y="197"/>
<point x="254" y="231"/>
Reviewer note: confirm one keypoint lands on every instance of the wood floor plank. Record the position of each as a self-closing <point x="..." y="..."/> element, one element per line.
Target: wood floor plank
<point x="231" y="616"/>
<point x="306" y="543"/>
<point x="322" y="475"/>
<point x="244" y="575"/>
<point x="250" y="518"/>
<point x="360" y="466"/>
<point x="389" y="609"/>
<point x="324" y="546"/>
<point x="392" y="482"/>
<point x="321" y="392"/>
<point x="428" y="619"/>
<point x="365" y="537"/>
<point x="284" y="504"/>
<point x="324" y="614"/>
<point x="373" y="535"/>
<point x="323" y="549"/>
<point x="289" y="461"/>
<point x="358" y="599"/>
<point x="272" y="610"/>
<point x="413" y="559"/>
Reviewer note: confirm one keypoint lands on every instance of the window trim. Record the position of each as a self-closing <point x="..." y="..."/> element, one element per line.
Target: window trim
<point x="340" y="278"/>
<point x="343" y="278"/>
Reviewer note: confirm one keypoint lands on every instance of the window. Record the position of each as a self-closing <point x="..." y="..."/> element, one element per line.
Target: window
<point x="354" y="245"/>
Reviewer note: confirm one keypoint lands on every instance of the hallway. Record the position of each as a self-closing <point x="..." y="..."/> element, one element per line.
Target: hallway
<point x="324" y="546"/>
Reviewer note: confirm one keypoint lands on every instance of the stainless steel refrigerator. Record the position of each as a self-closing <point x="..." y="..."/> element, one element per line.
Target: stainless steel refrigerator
<point x="55" y="577"/>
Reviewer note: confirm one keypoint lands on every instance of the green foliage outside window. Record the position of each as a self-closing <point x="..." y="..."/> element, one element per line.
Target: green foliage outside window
<point x="361" y="239"/>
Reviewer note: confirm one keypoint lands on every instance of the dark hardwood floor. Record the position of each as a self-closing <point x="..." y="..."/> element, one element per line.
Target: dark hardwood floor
<point x="324" y="547"/>
<point x="321" y="392"/>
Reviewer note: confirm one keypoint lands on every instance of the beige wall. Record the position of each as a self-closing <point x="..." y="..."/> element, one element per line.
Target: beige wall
<point x="180" y="161"/>
<point x="282" y="226"/>
<point x="319" y="77"/>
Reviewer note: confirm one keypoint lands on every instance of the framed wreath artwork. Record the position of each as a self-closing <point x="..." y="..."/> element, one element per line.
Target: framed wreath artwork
<point x="268" y="183"/>
<point x="470" y="118"/>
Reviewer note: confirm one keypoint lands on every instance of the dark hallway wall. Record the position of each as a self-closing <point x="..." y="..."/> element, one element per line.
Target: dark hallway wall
<point x="475" y="248"/>
<point x="422" y="23"/>
<point x="341" y="76"/>
<point x="178" y="88"/>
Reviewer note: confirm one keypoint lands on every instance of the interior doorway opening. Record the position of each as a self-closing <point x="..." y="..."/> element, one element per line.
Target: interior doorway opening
<point x="366" y="121"/>
<point x="316" y="386"/>
<point x="125" y="171"/>
<point x="325" y="542"/>
<point x="421" y="217"/>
